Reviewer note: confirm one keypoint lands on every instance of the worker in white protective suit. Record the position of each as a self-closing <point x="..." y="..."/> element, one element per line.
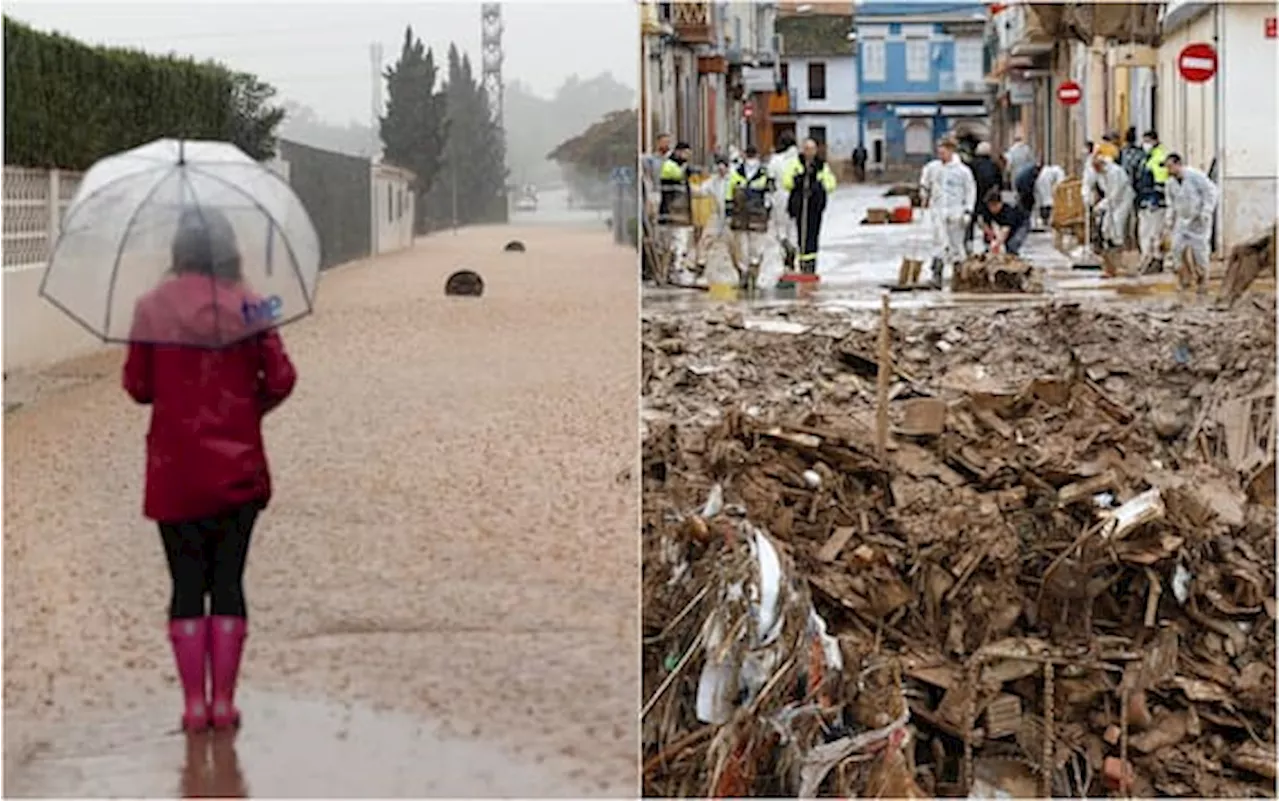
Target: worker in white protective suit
<point x="1050" y="176"/>
<point x="1113" y="209"/>
<point x="781" y="226"/>
<point x="716" y="232"/>
<point x="928" y="186"/>
<point x="1192" y="200"/>
<point x="953" y="196"/>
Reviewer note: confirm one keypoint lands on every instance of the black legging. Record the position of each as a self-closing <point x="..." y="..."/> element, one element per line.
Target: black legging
<point x="206" y="557"/>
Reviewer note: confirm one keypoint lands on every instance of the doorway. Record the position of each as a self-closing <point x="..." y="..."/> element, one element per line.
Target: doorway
<point x="781" y="130"/>
<point x="875" y="145"/>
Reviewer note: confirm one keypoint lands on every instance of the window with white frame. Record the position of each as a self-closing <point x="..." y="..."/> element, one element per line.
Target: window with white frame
<point x="873" y="62"/>
<point x="917" y="60"/>
<point x="919" y="137"/>
<point x="968" y="61"/>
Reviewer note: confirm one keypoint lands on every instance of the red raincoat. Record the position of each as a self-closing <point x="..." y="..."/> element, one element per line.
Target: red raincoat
<point x="205" y="453"/>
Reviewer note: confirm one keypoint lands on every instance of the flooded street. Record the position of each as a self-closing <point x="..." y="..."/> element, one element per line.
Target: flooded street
<point x="554" y="208"/>
<point x="858" y="262"/>
<point x="442" y="595"/>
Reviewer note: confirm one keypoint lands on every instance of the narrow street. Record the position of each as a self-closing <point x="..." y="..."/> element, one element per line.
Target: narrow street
<point x="858" y="262"/>
<point x="442" y="595"/>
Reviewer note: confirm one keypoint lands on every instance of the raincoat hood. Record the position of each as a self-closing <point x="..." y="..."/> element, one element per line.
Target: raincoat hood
<point x="195" y="309"/>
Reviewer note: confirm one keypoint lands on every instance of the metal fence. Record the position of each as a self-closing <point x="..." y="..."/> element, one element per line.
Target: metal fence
<point x="337" y="192"/>
<point x="34" y="202"/>
<point x="335" y="188"/>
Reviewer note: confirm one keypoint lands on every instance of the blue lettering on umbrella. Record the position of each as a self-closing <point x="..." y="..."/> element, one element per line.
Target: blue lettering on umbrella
<point x="266" y="310"/>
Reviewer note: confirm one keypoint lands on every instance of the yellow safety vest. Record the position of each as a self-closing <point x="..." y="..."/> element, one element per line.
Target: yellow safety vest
<point x="737" y="179"/>
<point x="1155" y="163"/>
<point x="825" y="176"/>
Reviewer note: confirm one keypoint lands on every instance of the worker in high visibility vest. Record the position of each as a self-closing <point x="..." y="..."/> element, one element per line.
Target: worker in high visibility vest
<point x="1151" y="179"/>
<point x="808" y="181"/>
<point x="748" y="205"/>
<point x="674" y="209"/>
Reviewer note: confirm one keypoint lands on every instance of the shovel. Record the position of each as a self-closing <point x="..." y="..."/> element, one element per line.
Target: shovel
<point x="1088" y="260"/>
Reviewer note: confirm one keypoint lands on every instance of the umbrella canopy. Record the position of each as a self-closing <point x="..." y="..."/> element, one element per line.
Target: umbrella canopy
<point x="184" y="243"/>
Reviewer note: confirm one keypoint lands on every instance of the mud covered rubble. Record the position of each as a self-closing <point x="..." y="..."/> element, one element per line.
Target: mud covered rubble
<point x="1061" y="581"/>
<point x="986" y="272"/>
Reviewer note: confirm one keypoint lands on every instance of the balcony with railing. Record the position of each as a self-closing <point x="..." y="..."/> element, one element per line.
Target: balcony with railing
<point x="692" y="22"/>
<point x="782" y="103"/>
<point x="651" y="22"/>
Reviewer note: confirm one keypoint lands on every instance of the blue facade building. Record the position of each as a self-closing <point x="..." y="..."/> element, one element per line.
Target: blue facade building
<point x="921" y="73"/>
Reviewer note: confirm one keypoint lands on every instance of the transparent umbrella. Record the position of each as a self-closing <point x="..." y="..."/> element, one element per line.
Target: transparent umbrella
<point x="184" y="243"/>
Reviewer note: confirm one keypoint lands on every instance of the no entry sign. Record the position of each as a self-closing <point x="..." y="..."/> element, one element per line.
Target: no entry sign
<point x="1198" y="62"/>
<point x="748" y="110"/>
<point x="1069" y="93"/>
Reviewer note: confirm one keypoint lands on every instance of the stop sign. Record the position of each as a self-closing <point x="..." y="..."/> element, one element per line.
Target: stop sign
<point x="748" y="110"/>
<point x="1198" y="62"/>
<point x="1069" y="93"/>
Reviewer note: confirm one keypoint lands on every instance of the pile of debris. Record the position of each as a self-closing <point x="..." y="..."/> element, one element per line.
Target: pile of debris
<point x="1247" y="261"/>
<point x="1058" y="579"/>
<point x="996" y="272"/>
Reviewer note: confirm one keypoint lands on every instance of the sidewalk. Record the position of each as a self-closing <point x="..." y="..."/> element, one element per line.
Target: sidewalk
<point x="453" y="535"/>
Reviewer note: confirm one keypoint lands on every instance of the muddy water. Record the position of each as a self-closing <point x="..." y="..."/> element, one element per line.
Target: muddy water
<point x="291" y="748"/>
<point x="452" y="539"/>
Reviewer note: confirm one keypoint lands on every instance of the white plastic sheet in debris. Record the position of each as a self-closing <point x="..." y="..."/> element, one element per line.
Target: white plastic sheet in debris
<point x="721" y="684"/>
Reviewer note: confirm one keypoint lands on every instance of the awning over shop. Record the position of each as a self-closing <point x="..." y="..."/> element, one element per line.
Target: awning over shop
<point x="963" y="111"/>
<point x="916" y="111"/>
<point x="1121" y="20"/>
<point x="758" y="79"/>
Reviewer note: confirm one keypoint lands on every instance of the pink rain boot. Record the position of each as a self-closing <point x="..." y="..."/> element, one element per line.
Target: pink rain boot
<point x="190" y="640"/>
<point x="226" y="644"/>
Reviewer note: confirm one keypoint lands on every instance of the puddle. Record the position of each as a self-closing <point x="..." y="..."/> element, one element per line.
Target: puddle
<point x="287" y="748"/>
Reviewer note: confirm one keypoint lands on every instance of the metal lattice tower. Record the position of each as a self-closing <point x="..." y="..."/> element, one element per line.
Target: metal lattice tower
<point x="491" y="56"/>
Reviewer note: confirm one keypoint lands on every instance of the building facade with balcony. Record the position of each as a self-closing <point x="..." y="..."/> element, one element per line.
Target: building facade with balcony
<point x="700" y="64"/>
<point x="748" y="40"/>
<point x="921" y="73"/>
<point x="817" y="94"/>
<point x="1031" y="62"/>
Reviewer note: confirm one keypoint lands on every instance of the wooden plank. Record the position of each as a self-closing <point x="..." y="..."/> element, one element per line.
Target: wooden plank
<point x="835" y="543"/>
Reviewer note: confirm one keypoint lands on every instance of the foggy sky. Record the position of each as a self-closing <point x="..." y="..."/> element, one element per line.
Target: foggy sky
<point x="317" y="54"/>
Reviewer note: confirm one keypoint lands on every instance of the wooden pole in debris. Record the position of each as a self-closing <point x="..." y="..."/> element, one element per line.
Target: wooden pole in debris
<point x="882" y="382"/>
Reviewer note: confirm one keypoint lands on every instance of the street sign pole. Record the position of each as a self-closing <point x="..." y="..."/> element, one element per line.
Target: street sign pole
<point x="1198" y="63"/>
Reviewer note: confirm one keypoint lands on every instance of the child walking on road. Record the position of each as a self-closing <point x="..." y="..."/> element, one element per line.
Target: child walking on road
<point x="206" y="475"/>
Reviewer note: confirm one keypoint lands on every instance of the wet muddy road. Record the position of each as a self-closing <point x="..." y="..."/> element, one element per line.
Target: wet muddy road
<point x="442" y="594"/>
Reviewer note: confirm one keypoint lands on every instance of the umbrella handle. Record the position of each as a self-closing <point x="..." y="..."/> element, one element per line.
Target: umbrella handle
<point x="271" y="235"/>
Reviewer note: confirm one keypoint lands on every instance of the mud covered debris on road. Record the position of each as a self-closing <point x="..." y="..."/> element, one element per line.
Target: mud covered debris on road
<point x="986" y="272"/>
<point x="1059" y="580"/>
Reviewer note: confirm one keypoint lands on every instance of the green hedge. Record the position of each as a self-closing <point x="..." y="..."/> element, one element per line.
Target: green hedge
<point x="68" y="104"/>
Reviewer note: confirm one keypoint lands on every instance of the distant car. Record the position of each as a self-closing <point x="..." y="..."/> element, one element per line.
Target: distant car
<point x="528" y="199"/>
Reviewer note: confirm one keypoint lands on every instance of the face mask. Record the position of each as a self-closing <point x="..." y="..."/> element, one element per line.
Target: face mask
<point x="752" y="164"/>
<point x="1146" y="146"/>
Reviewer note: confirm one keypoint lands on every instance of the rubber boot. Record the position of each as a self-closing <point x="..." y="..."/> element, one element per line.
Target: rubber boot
<point x="226" y="644"/>
<point x="190" y="640"/>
